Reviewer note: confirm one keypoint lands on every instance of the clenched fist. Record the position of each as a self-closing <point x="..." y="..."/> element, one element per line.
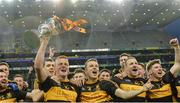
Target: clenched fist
<point x="174" y="42"/>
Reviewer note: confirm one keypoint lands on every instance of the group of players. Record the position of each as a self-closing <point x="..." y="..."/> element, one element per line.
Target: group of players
<point x="134" y="82"/>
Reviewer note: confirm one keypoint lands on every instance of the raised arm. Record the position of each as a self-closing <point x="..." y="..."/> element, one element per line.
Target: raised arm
<point x="39" y="60"/>
<point x="176" y="67"/>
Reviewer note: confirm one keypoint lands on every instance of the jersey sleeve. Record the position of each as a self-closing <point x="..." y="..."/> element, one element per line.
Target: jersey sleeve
<point x="108" y="86"/>
<point x="47" y="84"/>
<point x="116" y="80"/>
<point x="168" y="77"/>
<point x="20" y="94"/>
<point x="78" y="91"/>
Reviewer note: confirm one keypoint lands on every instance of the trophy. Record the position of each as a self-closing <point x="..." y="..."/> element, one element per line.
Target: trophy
<point x="50" y="27"/>
<point x="57" y="25"/>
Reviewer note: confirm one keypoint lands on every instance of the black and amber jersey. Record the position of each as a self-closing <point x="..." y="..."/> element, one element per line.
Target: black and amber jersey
<point x="129" y="84"/>
<point x="176" y="88"/>
<point x="98" y="91"/>
<point x="62" y="92"/>
<point x="9" y="95"/>
<point x="161" y="91"/>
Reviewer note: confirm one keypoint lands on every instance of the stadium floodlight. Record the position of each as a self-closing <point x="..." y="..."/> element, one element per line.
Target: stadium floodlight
<point x="116" y="1"/>
<point x="56" y="1"/>
<point x="74" y="1"/>
<point x="9" y="0"/>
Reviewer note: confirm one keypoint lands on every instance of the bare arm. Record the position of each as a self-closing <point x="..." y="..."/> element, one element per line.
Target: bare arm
<point x="176" y="67"/>
<point x="130" y="94"/>
<point x="39" y="60"/>
<point x="37" y="95"/>
<point x="29" y="95"/>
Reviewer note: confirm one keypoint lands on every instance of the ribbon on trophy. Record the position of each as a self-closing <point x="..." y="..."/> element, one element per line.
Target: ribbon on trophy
<point x="56" y="25"/>
<point x="69" y="25"/>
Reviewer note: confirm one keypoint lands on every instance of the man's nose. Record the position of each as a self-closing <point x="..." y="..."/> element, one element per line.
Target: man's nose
<point x="134" y="65"/>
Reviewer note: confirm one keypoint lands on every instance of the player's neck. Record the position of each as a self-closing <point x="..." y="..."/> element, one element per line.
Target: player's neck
<point x="152" y="78"/>
<point x="131" y="76"/>
<point x="62" y="78"/>
<point x="92" y="80"/>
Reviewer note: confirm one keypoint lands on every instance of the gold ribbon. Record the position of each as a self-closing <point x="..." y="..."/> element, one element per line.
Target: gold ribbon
<point x="69" y="25"/>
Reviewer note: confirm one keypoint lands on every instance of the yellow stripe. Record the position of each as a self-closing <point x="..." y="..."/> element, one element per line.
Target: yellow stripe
<point x="161" y="92"/>
<point x="97" y="96"/>
<point x="56" y="93"/>
<point x="129" y="87"/>
<point x="8" y="100"/>
<point x="178" y="91"/>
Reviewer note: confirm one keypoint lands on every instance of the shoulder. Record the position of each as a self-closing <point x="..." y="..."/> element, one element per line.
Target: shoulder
<point x="108" y="83"/>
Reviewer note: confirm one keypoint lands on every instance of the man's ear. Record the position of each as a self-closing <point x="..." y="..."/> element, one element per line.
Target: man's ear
<point x="85" y="70"/>
<point x="149" y="73"/>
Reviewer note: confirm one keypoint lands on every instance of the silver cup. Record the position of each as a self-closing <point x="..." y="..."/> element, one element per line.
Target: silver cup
<point x="49" y="28"/>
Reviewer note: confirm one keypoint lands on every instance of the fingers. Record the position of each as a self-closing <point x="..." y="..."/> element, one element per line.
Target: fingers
<point x="174" y="42"/>
<point x="78" y="82"/>
<point x="30" y="69"/>
<point x="120" y="76"/>
<point x="44" y="38"/>
<point x="147" y="86"/>
<point x="83" y="81"/>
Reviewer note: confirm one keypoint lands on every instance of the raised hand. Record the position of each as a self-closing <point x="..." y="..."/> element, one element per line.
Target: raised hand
<point x="174" y="42"/>
<point x="30" y="69"/>
<point x="44" y="38"/>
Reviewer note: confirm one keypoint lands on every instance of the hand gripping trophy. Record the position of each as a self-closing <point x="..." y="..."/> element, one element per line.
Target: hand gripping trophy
<point x="56" y="25"/>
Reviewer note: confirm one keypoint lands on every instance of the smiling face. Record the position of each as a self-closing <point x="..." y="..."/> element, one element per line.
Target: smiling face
<point x="49" y="66"/>
<point x="92" y="69"/>
<point x="132" y="66"/>
<point x="5" y="68"/>
<point x="79" y="76"/>
<point x="20" y="82"/>
<point x="104" y="76"/>
<point x="3" y="80"/>
<point x="62" y="66"/>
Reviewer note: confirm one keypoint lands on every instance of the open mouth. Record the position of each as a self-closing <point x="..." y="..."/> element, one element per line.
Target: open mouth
<point x="63" y="70"/>
<point x="159" y="72"/>
<point x="135" y="70"/>
<point x="94" y="72"/>
<point x="4" y="81"/>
